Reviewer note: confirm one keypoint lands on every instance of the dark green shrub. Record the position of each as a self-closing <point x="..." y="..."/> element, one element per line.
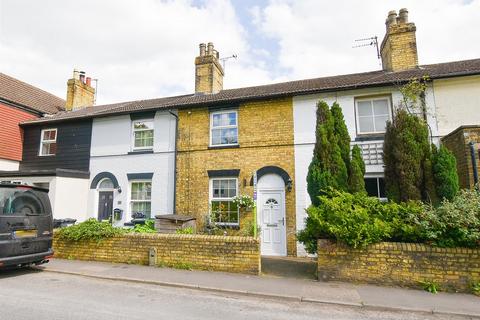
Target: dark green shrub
<point x="341" y="133"/>
<point x="356" y="182"/>
<point x="445" y="175"/>
<point x="91" y="229"/>
<point x="187" y="230"/>
<point x="406" y="155"/>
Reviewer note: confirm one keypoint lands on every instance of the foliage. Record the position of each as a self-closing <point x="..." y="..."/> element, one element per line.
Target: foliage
<point x="475" y="286"/>
<point x="247" y="229"/>
<point x="407" y="161"/>
<point x="90" y="229"/>
<point x="244" y="201"/>
<point x="148" y="227"/>
<point x="444" y="166"/>
<point x="356" y="182"/>
<point x="358" y="220"/>
<point x="414" y="92"/>
<point x="187" y="230"/>
<point x="430" y="286"/>
<point x="330" y="166"/>
<point x="454" y="223"/>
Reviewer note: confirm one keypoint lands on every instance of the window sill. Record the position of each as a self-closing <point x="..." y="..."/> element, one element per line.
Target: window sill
<point x="141" y="152"/>
<point x="229" y="146"/>
<point x="370" y="136"/>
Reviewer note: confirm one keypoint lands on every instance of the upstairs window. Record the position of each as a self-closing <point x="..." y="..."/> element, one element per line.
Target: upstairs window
<point x="48" y="142"/>
<point x="375" y="187"/>
<point x="223" y="210"/>
<point x="372" y="115"/>
<point x="143" y="135"/>
<point x="223" y="128"/>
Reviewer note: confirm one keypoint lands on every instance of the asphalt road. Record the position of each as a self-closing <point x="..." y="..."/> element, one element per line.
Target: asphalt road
<point x="40" y="295"/>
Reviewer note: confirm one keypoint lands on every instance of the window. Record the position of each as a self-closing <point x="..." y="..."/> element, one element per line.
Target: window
<point x="142" y="134"/>
<point x="376" y="187"/>
<point x="223" y="210"/>
<point x="372" y="115"/>
<point x="223" y="128"/>
<point x="106" y="184"/>
<point x="141" y="197"/>
<point x="48" y="142"/>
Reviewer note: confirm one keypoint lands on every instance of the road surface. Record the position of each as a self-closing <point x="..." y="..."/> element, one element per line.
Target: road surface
<point x="29" y="294"/>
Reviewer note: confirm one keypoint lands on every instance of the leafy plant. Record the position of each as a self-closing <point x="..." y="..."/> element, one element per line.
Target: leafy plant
<point x="244" y="201"/>
<point x="148" y="227"/>
<point x="430" y="286"/>
<point x="90" y="229"/>
<point x="356" y="182"/>
<point x="475" y="286"/>
<point x="187" y="230"/>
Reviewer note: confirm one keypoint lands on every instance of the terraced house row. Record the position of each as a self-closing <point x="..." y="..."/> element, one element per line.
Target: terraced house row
<point x="192" y="154"/>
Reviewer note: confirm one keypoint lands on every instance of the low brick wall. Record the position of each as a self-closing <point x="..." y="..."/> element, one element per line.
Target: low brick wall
<point x="216" y="253"/>
<point x="402" y="264"/>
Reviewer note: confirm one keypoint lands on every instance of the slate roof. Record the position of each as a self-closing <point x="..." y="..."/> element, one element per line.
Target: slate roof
<point x="20" y="93"/>
<point x="291" y="88"/>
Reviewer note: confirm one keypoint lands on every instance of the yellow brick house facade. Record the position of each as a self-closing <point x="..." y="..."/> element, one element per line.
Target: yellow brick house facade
<point x="265" y="140"/>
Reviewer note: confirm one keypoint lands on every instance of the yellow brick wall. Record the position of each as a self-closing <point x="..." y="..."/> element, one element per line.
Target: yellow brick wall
<point x="265" y="139"/>
<point x="399" y="49"/>
<point x="403" y="264"/>
<point x="216" y="253"/>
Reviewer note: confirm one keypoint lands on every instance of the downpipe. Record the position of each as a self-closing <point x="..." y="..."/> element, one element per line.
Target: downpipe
<point x="474" y="163"/>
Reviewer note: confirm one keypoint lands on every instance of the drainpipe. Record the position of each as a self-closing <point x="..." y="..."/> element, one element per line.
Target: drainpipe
<point x="175" y="163"/>
<point x="474" y="163"/>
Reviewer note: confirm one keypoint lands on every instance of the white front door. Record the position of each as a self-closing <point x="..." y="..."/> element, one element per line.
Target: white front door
<point x="271" y="209"/>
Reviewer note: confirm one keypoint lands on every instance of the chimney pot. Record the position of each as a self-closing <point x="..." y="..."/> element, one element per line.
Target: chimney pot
<point x="392" y="18"/>
<point x="210" y="49"/>
<point x="88" y="81"/>
<point x="76" y="74"/>
<point x="202" y="49"/>
<point x="82" y="76"/>
<point x="403" y="16"/>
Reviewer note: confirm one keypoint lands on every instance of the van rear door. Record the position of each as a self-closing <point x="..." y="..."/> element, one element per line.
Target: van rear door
<point x="26" y="224"/>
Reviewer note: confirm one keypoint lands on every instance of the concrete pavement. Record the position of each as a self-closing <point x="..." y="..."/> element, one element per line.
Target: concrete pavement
<point x="299" y="290"/>
<point x="29" y="294"/>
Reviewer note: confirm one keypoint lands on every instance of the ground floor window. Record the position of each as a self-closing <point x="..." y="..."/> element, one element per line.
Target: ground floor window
<point x="376" y="187"/>
<point x="141" y="197"/>
<point x="222" y="209"/>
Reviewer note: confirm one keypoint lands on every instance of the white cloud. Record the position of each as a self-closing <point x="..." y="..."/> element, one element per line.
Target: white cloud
<point x="316" y="37"/>
<point x="144" y="49"/>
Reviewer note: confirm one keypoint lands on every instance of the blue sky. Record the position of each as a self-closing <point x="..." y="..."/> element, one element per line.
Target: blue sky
<point x="145" y="49"/>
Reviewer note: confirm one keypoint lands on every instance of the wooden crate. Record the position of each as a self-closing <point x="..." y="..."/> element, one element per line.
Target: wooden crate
<point x="170" y="223"/>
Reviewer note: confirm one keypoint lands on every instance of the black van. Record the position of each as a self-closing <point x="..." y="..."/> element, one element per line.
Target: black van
<point x="26" y="225"/>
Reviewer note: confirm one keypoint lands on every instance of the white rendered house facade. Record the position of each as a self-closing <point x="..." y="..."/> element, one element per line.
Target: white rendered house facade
<point x="132" y="165"/>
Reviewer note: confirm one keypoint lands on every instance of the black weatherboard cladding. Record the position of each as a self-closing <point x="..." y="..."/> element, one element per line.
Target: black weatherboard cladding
<point x="73" y="147"/>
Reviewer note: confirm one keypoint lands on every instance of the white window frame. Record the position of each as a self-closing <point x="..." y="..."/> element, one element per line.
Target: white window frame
<point x="357" y="117"/>
<point x="131" y="201"/>
<point x="137" y="130"/>
<point x="47" y="141"/>
<point x="223" y="127"/>
<point x="211" y="198"/>
<point x="378" y="186"/>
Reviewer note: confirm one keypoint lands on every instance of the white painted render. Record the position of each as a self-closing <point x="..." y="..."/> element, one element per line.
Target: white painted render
<point x="304" y="117"/>
<point x="68" y="196"/>
<point x="458" y="102"/>
<point x="111" y="143"/>
<point x="8" y="165"/>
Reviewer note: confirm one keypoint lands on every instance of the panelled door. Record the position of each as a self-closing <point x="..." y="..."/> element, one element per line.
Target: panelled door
<point x="271" y="205"/>
<point x="105" y="205"/>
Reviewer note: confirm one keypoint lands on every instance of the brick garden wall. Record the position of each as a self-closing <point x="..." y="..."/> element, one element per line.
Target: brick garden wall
<point x="204" y="252"/>
<point x="403" y="264"/>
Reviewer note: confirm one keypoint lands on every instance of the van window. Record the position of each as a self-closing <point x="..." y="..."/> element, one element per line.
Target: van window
<point x="23" y="201"/>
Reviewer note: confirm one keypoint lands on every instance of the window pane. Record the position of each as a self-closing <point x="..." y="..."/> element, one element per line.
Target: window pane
<point x="216" y="136"/>
<point x="229" y="136"/>
<point x="380" y="123"/>
<point x="143" y="139"/>
<point x="380" y="107"/>
<point x="53" y="135"/>
<point x="141" y="190"/>
<point x="371" y="187"/>
<point x="232" y="118"/>
<point x="366" y="124"/>
<point x="216" y="120"/>
<point x="143" y="207"/>
<point x="106" y="184"/>
<point x="381" y="184"/>
<point x="364" y="108"/>
<point x="45" y="148"/>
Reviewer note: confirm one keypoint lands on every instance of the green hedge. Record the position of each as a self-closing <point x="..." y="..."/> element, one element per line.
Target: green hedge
<point x="358" y="220"/>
